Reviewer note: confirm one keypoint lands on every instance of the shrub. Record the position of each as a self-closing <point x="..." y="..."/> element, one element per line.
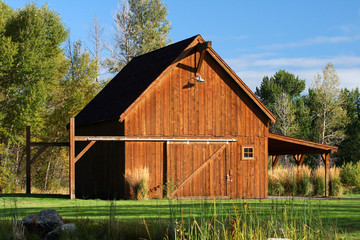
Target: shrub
<point x="318" y="181"/>
<point x="350" y="174"/>
<point x="138" y="180"/>
<point x="335" y="186"/>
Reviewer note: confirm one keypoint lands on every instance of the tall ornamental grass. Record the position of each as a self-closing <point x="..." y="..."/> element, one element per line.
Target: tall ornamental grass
<point x="335" y="185"/>
<point x="138" y="180"/>
<point x="290" y="181"/>
<point x="302" y="181"/>
<point x="318" y="181"/>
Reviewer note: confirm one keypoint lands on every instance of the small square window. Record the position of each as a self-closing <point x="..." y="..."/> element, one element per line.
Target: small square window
<point x="248" y="153"/>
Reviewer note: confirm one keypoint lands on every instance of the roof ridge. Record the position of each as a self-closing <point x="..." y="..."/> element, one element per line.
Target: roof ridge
<point x="167" y="46"/>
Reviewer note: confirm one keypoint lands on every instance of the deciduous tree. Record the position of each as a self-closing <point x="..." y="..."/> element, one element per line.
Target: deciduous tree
<point x="327" y="107"/>
<point x="32" y="61"/>
<point x="141" y="26"/>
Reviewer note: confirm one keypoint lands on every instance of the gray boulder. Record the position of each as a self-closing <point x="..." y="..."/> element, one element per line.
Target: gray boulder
<point x="42" y="222"/>
<point x="68" y="228"/>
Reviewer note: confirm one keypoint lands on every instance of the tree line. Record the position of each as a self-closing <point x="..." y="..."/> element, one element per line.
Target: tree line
<point x="45" y="78"/>
<point x="325" y="114"/>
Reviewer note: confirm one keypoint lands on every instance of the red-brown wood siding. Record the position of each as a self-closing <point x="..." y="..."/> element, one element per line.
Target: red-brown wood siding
<point x="181" y="107"/>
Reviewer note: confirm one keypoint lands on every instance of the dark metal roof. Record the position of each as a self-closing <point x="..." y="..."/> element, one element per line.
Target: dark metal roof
<point x="130" y="83"/>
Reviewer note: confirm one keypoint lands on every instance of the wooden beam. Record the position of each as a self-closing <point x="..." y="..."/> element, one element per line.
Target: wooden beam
<point x="199" y="168"/>
<point x="201" y="59"/>
<point x="38" y="153"/>
<point x="28" y="160"/>
<point x="52" y="144"/>
<point x="203" y="46"/>
<point x="72" y="159"/>
<point x="84" y="150"/>
<point x="299" y="159"/>
<point x="275" y="159"/>
<point x="325" y="157"/>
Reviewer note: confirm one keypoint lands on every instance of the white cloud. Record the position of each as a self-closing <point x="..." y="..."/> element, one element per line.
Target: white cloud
<point x="349" y="78"/>
<point x="312" y="41"/>
<point x="257" y="61"/>
<point x="252" y="68"/>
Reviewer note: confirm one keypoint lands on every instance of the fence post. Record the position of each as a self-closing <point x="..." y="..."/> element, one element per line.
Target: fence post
<point x="28" y="163"/>
<point x="72" y="159"/>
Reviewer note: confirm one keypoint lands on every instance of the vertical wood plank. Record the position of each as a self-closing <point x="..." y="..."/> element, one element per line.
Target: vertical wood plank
<point x="240" y="119"/>
<point x="233" y="117"/>
<point x="176" y="103"/>
<point x="201" y="102"/>
<point x="158" y="111"/>
<point x="72" y="158"/>
<point x="172" y="105"/>
<point x="143" y="118"/>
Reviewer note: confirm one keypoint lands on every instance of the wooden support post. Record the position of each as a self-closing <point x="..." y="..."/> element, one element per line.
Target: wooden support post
<point x="325" y="157"/>
<point x="275" y="159"/>
<point x="28" y="160"/>
<point x="72" y="159"/>
<point x="299" y="159"/>
<point x="165" y="169"/>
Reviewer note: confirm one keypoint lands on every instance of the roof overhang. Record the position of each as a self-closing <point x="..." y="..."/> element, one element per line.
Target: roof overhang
<point x="283" y="145"/>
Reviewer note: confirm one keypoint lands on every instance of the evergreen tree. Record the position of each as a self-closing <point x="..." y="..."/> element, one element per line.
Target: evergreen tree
<point x="271" y="89"/>
<point x="349" y="150"/>
<point x="280" y="93"/>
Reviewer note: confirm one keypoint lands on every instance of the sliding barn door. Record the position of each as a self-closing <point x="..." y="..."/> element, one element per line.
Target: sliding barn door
<point x="197" y="169"/>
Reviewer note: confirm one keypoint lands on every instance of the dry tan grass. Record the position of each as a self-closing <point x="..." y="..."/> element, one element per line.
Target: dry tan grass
<point x="334" y="173"/>
<point x="138" y="180"/>
<point x="319" y="173"/>
<point x="303" y="172"/>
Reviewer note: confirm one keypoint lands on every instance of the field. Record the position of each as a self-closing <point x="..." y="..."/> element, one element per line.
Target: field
<point x="157" y="218"/>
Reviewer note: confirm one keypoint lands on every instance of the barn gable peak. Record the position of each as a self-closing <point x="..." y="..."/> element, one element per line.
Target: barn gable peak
<point x="116" y="100"/>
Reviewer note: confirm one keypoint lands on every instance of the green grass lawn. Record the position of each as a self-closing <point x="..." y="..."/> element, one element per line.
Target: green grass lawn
<point x="343" y="214"/>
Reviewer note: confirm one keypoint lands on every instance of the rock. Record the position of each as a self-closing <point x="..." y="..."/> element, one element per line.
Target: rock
<point x="43" y="222"/>
<point x="68" y="228"/>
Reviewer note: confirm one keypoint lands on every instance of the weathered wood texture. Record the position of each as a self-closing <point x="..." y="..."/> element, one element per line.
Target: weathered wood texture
<point x="180" y="106"/>
<point x="99" y="173"/>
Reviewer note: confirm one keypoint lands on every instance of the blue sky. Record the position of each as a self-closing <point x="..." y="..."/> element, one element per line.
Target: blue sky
<point x="256" y="38"/>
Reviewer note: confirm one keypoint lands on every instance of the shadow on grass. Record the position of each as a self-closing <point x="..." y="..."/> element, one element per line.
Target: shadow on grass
<point x="22" y="195"/>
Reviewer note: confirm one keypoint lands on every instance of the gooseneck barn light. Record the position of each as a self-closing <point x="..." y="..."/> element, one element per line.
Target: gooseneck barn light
<point x="198" y="78"/>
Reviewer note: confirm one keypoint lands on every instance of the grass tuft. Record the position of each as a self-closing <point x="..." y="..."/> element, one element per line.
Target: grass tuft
<point x="138" y="180"/>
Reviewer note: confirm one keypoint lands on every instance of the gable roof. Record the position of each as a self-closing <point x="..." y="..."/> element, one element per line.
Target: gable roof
<point x="118" y="97"/>
<point x="129" y="83"/>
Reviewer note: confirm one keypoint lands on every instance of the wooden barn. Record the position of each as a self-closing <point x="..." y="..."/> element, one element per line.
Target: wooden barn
<point x="184" y="114"/>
